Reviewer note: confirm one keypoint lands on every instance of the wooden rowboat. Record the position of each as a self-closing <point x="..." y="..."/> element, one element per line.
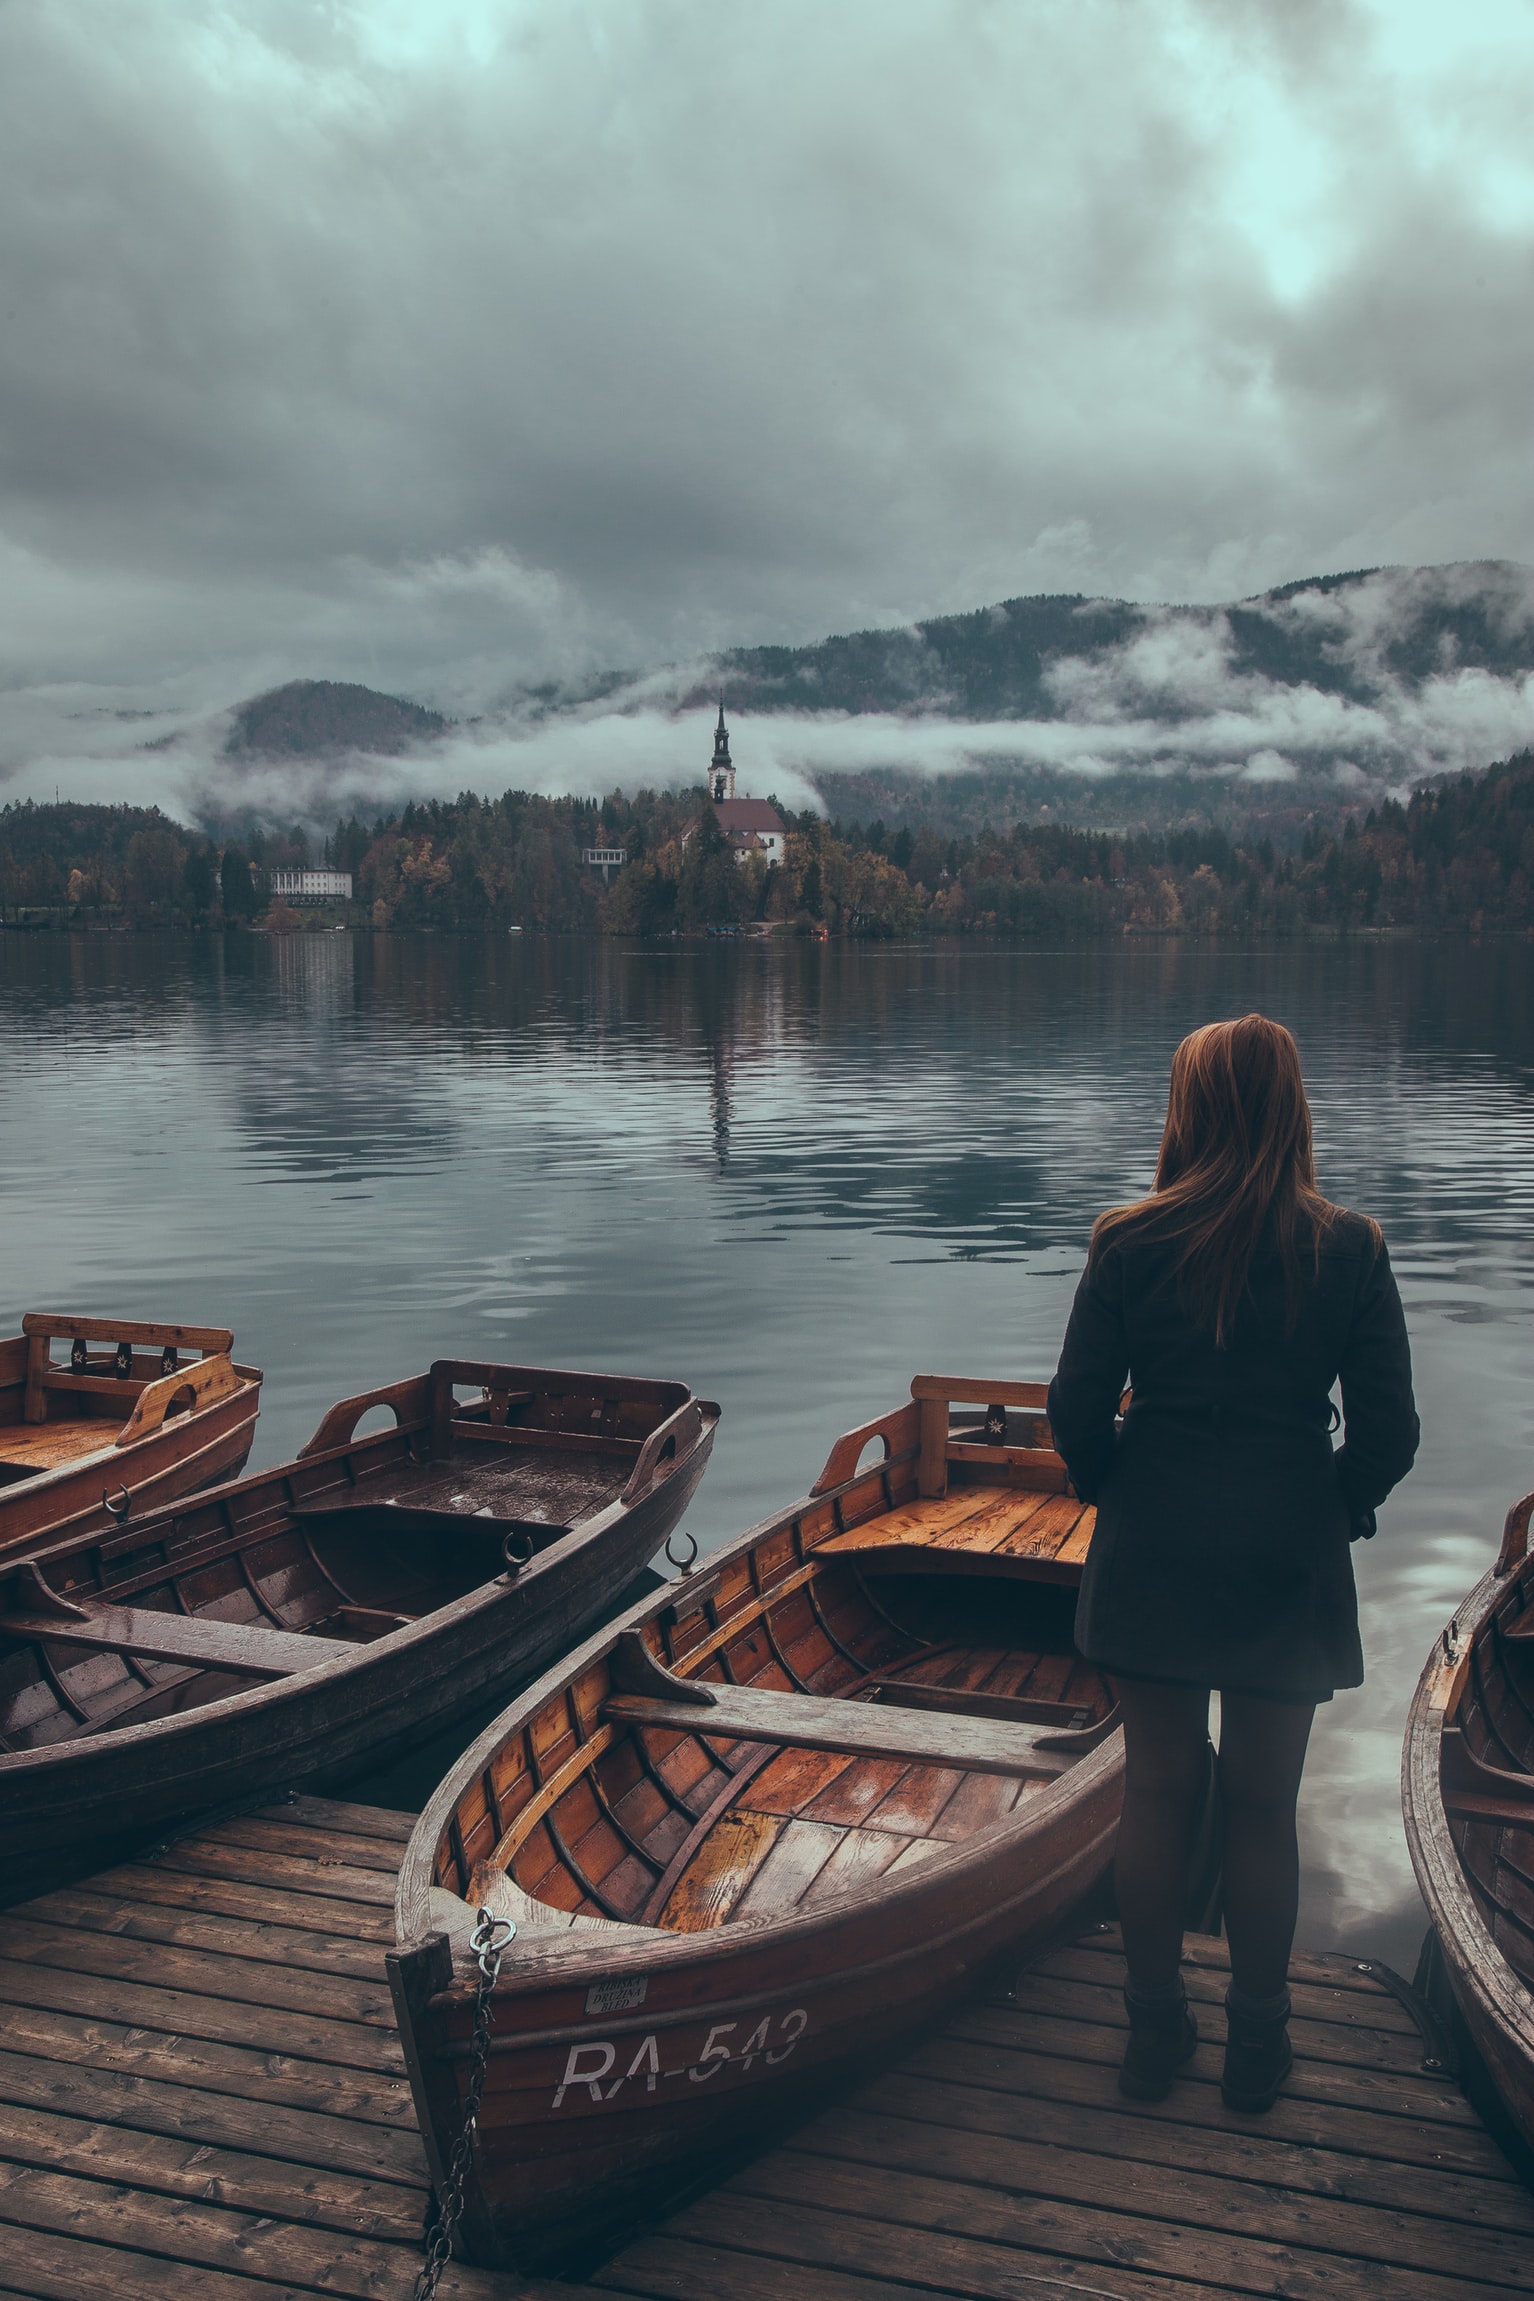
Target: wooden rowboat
<point x="293" y="1626"/>
<point x="754" y="1831"/>
<point x="114" y="1428"/>
<point x="1467" y="1784"/>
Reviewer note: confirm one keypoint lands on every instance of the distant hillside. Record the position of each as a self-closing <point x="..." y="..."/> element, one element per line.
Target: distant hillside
<point x="1354" y="636"/>
<point x="311" y="717"/>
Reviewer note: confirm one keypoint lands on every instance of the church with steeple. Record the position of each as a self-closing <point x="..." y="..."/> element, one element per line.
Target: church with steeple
<point x="752" y="826"/>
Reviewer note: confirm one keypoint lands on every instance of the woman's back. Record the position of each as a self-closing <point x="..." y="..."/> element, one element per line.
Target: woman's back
<point x="1231" y="1300"/>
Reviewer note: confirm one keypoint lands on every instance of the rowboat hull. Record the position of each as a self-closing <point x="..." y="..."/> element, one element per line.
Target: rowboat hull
<point x="633" y="2053"/>
<point x="1467" y="1783"/>
<point x="70" y="1441"/>
<point x="91" y="1796"/>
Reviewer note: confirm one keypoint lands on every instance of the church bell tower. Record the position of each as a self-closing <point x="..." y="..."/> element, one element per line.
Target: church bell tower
<point x="721" y="774"/>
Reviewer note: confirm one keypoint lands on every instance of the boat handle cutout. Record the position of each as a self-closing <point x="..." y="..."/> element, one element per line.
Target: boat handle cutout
<point x="115" y="1509"/>
<point x="682" y="1565"/>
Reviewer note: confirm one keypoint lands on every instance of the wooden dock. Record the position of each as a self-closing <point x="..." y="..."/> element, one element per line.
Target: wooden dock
<point x="202" y="2099"/>
<point x="202" y="2096"/>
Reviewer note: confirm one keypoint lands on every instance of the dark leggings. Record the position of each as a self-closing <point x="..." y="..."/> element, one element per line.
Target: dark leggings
<point x="1262" y="1755"/>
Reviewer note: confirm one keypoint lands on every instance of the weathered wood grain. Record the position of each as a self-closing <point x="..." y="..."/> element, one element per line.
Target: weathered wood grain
<point x="869" y="1729"/>
<point x="40" y="2080"/>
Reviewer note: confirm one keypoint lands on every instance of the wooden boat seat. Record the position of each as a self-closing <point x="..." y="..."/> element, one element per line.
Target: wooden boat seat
<point x="1000" y="1530"/>
<point x="253" y="1649"/>
<point x="35" y="1446"/>
<point x="860" y="1729"/>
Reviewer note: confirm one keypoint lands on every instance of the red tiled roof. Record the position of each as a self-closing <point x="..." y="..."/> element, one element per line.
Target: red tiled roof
<point x="747" y="815"/>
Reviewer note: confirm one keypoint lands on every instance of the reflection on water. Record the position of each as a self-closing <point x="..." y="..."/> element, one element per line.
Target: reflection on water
<point x="790" y="1175"/>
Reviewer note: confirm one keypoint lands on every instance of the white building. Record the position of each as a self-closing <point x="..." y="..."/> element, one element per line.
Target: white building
<point x="312" y="886"/>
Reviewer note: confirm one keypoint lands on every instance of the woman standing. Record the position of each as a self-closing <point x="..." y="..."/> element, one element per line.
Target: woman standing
<point x="1232" y="1299"/>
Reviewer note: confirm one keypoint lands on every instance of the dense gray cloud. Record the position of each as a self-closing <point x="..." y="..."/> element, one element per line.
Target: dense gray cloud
<point x="445" y="346"/>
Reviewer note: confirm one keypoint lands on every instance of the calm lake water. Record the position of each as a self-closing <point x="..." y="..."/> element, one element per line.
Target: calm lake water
<point x="792" y="1176"/>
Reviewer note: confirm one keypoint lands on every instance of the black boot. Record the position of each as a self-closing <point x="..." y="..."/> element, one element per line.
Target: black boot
<point x="1258" y="2055"/>
<point x="1163" y="2037"/>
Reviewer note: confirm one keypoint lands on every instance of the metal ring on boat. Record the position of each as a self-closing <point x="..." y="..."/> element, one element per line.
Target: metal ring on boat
<point x="114" y="1508"/>
<point x="682" y="1565"/>
<point x="516" y="1559"/>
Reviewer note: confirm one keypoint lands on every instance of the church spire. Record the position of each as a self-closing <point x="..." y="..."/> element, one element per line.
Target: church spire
<point x="721" y="774"/>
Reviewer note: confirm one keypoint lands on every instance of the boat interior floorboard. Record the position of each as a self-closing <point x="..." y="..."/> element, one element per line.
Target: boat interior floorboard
<point x="201" y="2098"/>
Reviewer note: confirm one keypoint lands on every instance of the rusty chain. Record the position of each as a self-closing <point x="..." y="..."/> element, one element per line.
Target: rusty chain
<point x="488" y="1941"/>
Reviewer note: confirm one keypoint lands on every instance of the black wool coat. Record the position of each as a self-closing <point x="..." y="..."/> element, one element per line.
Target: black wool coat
<point x="1221" y="1555"/>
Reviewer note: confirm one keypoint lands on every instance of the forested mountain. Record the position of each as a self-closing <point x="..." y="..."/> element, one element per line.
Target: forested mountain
<point x="1356" y="636"/>
<point x="1264" y="717"/>
<point x="310" y="717"/>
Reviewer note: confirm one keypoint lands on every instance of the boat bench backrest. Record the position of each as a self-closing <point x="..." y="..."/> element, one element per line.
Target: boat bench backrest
<point x="105" y="1377"/>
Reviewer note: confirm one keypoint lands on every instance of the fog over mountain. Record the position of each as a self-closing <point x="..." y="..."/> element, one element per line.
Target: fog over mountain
<point x="1312" y="700"/>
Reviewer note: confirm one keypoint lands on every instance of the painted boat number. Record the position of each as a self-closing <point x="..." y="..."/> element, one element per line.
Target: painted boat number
<point x="592" y="2065"/>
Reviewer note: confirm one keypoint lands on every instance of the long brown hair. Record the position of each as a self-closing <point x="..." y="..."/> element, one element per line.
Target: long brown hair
<point x="1236" y="1151"/>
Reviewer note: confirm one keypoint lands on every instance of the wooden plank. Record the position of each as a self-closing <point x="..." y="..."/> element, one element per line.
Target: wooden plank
<point x="153" y="1334"/>
<point x="859" y="1858"/>
<point x="1313" y="1999"/>
<point x="182" y="2014"/>
<point x="1073" y="1550"/>
<point x="188" y="2113"/>
<point x="826" y="2242"/>
<point x="52" y="2268"/>
<point x="1045" y="1533"/>
<point x="853" y="1796"/>
<point x="919" y="1694"/>
<point x="44" y="1445"/>
<point x="233" y="1937"/>
<point x="209" y="2066"/>
<point x="252" y="1648"/>
<point x="794" y="1779"/>
<point x="859" y="2196"/>
<point x="1313" y="2078"/>
<point x="666" y="2267"/>
<point x="1126" y="2133"/>
<point x="162" y="1885"/>
<point x="1355" y="2045"/>
<point x="202" y="1973"/>
<point x="1296" y="2120"/>
<point x="1211" y="1952"/>
<point x="719" y="1872"/>
<point x="185" y="2230"/>
<point x="1007" y="1516"/>
<point x="337" y="1813"/>
<point x="207" y="1856"/>
<point x="1194" y="2199"/>
<point x="799" y="1854"/>
<point x="100" y="2149"/>
<point x="914" y="1523"/>
<point x="985" y="1390"/>
<point x="327" y="1849"/>
<point x="583" y="1755"/>
<point x="932" y="1455"/>
<point x="862" y="1729"/>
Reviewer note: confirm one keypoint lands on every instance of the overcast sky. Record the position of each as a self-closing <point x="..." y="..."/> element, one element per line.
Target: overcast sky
<point x="442" y="345"/>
